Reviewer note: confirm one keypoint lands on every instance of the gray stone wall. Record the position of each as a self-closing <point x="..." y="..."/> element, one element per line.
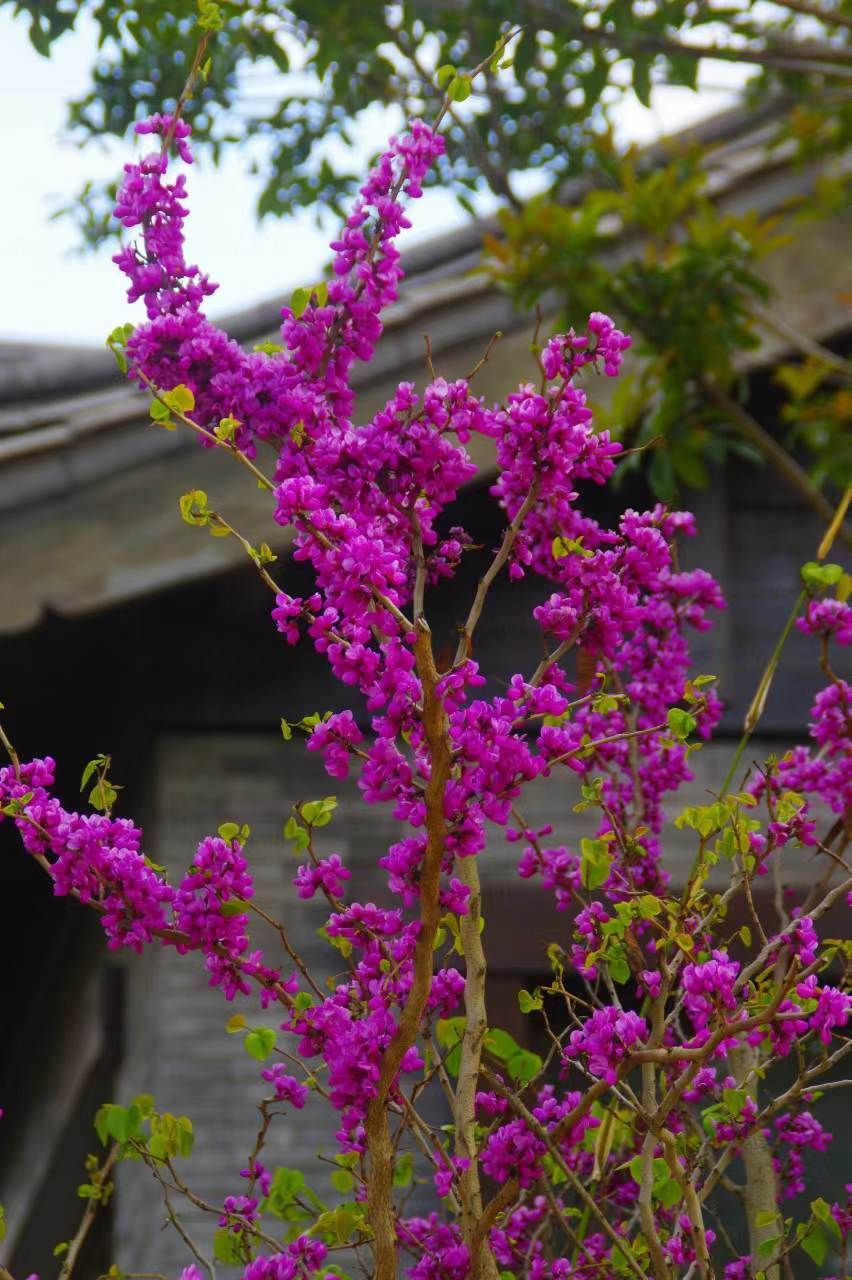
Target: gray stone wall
<point x="177" y="1047"/>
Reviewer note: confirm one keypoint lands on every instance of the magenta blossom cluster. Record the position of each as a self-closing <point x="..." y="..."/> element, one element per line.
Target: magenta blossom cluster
<point x="793" y="1135"/>
<point x="606" y="1039"/>
<point x="822" y="772"/>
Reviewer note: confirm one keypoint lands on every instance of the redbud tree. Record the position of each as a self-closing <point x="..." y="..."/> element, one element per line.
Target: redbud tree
<point x="606" y="1157"/>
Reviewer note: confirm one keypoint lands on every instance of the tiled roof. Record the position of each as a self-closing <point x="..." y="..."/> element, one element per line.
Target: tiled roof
<point x="88" y="492"/>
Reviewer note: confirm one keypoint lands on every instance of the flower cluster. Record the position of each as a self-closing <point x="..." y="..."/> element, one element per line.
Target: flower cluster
<point x="709" y="988"/>
<point x="450" y="751"/>
<point x="605" y="1040"/>
<point x="793" y="1135"/>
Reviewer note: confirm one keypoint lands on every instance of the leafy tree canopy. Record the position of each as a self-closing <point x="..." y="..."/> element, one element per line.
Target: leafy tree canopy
<point x="292" y="78"/>
<point x="288" y="85"/>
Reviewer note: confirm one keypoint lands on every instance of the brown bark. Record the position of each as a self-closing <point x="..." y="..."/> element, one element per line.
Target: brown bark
<point x="380" y="1210"/>
<point x="761" y="1187"/>
<point x="482" y="1263"/>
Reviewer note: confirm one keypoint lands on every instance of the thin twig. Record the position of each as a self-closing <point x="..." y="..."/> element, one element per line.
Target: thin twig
<point x="99" y="1180"/>
<point x="787" y="466"/>
<point x="831" y="17"/>
<point x="801" y="341"/>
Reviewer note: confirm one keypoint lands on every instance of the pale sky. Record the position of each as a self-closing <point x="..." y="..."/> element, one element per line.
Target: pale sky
<point x="52" y="294"/>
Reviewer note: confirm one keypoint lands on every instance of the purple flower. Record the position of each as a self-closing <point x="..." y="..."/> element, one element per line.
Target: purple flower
<point x="287" y="1088"/>
<point x="606" y="1039"/>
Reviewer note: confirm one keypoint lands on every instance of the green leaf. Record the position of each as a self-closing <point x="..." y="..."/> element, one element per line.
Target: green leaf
<point x="170" y="1136"/>
<point x="342" y="1180"/>
<point x="101" y="1123"/>
<point x="734" y="1100"/>
<point x="259" y="1043"/>
<point x="818" y="577"/>
<point x="444" y="74"/>
<point x="299" y="300"/>
<point x="159" y="413"/>
<point x="530" y="1002"/>
<point x="668" y="1193"/>
<point x="286" y="1185"/>
<point x="235" y="1023"/>
<point x="500" y="1044"/>
<point x="209" y="16"/>
<point x="226" y="427"/>
<point x="702" y="818"/>
<point x="681" y="723"/>
<point x="460" y="88"/>
<point x="336" y="1226"/>
<point x="91" y="768"/>
<point x="18" y="805"/>
<point x="345" y="1222"/>
<point x="118" y="1123"/>
<point x="821" y="1210"/>
<point x="233" y="907"/>
<point x="180" y="399"/>
<point x="815" y="1244"/>
<point x="616" y="962"/>
<point x="595" y="862"/>
<point x="117" y="343"/>
<point x="683" y="69"/>
<point x="450" y="1032"/>
<point x="403" y="1170"/>
<point x="226" y="1247"/>
<point x="317" y="813"/>
<point x="642" y="79"/>
<point x="661" y="1178"/>
<point x="103" y="795"/>
<point x="293" y="830"/>
<point x="524" y="1066"/>
<point x="561" y="547"/>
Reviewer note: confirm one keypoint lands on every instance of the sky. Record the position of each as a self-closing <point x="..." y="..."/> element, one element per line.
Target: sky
<point x="51" y="293"/>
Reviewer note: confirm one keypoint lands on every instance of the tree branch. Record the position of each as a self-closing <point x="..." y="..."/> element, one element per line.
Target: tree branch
<point x="379" y="1146"/>
<point x="99" y="1179"/>
<point x="482" y="1263"/>
<point x="795" y="476"/>
<point x="761" y="1186"/>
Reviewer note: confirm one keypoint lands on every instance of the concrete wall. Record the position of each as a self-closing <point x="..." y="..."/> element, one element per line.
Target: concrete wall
<point x="177" y="1048"/>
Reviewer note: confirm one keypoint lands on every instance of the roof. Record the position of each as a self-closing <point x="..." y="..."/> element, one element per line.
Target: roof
<point x="89" y="489"/>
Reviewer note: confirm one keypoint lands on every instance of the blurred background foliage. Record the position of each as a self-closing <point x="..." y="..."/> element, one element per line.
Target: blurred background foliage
<point x="288" y="84"/>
